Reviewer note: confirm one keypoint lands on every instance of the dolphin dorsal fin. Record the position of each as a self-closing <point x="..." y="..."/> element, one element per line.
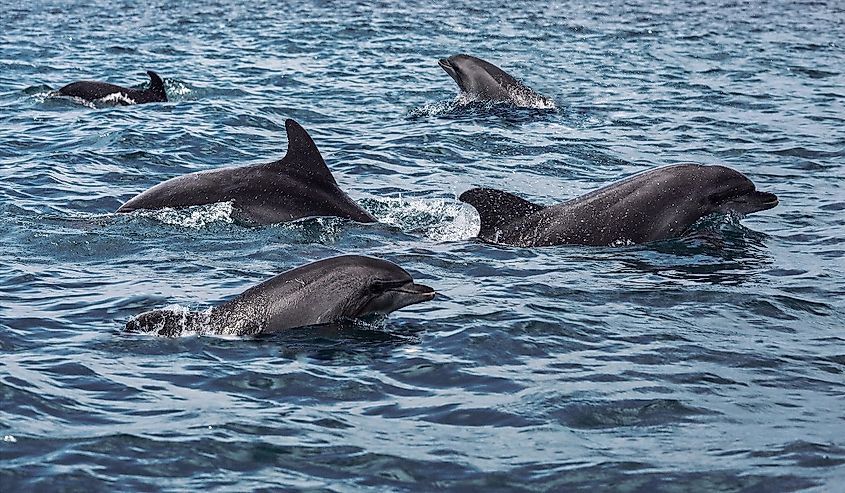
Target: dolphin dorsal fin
<point x="156" y="84"/>
<point x="497" y="208"/>
<point x="303" y="158"/>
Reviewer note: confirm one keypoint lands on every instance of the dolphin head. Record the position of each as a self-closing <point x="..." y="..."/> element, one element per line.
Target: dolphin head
<point x="348" y="286"/>
<point x="477" y="77"/>
<point x="731" y="191"/>
<point x="455" y="67"/>
<point x="382" y="287"/>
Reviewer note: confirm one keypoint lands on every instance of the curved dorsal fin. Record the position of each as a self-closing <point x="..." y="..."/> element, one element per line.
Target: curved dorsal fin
<point x="156" y="85"/>
<point x="497" y="208"/>
<point x="303" y="159"/>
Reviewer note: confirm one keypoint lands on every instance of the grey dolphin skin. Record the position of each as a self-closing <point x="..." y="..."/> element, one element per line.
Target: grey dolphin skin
<point x="655" y="205"/>
<point x="296" y="186"/>
<point x="482" y="80"/>
<point x="92" y="91"/>
<point x="322" y="292"/>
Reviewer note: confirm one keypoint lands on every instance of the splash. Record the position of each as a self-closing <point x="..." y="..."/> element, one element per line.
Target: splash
<point x="435" y="109"/>
<point x="54" y="96"/>
<point x="117" y="98"/>
<point x="193" y="217"/>
<point x="177" y="89"/>
<point x="437" y="219"/>
<point x="521" y="99"/>
<point x="525" y="98"/>
<point x="180" y="321"/>
<point x="170" y="321"/>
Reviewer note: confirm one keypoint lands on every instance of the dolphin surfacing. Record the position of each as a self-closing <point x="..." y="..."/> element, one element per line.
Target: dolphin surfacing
<point x="89" y="90"/>
<point x="481" y="80"/>
<point x="297" y="186"/>
<point x="322" y="292"/>
<point x="658" y="204"/>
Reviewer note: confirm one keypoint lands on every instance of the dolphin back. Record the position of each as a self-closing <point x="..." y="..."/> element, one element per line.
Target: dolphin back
<point x="304" y="163"/>
<point x="156" y="92"/>
<point x="297" y="186"/>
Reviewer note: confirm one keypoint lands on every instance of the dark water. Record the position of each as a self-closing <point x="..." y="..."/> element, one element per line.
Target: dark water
<point x="709" y="364"/>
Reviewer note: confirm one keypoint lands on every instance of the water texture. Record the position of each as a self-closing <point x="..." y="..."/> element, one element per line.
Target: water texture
<point x="713" y="363"/>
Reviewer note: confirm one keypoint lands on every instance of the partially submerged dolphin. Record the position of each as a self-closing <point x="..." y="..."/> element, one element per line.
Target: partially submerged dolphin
<point x="655" y="205"/>
<point x="481" y="80"/>
<point x="93" y="91"/>
<point x="298" y="185"/>
<point x="322" y="292"/>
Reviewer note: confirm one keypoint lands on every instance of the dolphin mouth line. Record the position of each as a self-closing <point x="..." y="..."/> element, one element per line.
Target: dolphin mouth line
<point x="445" y="65"/>
<point x="769" y="198"/>
<point x="762" y="198"/>
<point x="414" y="289"/>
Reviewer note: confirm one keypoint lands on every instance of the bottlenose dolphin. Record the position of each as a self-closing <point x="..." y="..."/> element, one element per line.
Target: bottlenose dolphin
<point x="296" y="186"/>
<point x="321" y="292"/>
<point x="658" y="204"/>
<point x="481" y="80"/>
<point x="92" y="91"/>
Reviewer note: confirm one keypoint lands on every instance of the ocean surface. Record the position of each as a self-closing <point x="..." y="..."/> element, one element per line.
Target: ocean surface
<point x="711" y="363"/>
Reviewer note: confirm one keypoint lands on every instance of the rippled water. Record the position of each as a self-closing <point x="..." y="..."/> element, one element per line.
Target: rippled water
<point x="712" y="364"/>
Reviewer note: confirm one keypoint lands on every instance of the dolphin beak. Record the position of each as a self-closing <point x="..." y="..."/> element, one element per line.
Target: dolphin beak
<point x="446" y="65"/>
<point x="411" y="294"/>
<point x="768" y="199"/>
<point x="421" y="291"/>
<point x="759" y="201"/>
<point x="751" y="202"/>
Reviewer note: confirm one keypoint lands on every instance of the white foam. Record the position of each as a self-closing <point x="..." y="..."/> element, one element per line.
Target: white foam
<point x="436" y="109"/>
<point x="55" y="95"/>
<point x="117" y="98"/>
<point x="177" y="89"/>
<point x="193" y="217"/>
<point x="527" y="99"/>
<point x="438" y="219"/>
<point x="520" y="98"/>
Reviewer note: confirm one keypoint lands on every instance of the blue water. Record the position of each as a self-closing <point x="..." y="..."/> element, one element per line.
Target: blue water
<point x="713" y="363"/>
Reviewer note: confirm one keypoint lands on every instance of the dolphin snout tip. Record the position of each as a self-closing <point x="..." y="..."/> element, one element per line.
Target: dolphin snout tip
<point x="425" y="293"/>
<point x="769" y="199"/>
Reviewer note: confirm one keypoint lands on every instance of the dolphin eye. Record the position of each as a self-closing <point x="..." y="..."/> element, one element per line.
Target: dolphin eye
<point x="718" y="198"/>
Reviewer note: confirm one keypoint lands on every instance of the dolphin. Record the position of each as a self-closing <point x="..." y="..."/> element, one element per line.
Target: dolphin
<point x="654" y="205"/>
<point x="322" y="292"/>
<point x="481" y="80"/>
<point x="92" y="91"/>
<point x="298" y="185"/>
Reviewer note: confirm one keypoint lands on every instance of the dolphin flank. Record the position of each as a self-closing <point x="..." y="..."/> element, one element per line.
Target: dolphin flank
<point x="296" y="186"/>
<point x="322" y="292"/>
<point x="93" y="91"/>
<point x="654" y="205"/>
<point x="481" y="80"/>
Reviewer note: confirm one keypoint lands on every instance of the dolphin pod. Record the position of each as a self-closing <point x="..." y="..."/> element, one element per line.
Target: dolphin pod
<point x="321" y="292"/>
<point x="658" y="204"/>
<point x="298" y="185"/>
<point x="654" y="205"/>
<point x="89" y="90"/>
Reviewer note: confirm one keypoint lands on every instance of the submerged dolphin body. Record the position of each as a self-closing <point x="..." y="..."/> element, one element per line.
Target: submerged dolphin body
<point x="658" y="204"/>
<point x="93" y="91"/>
<point x="481" y="80"/>
<point x="296" y="186"/>
<point x="322" y="292"/>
